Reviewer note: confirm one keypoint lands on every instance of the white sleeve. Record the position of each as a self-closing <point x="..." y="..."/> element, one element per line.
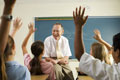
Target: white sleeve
<point x="67" y="48"/>
<point x="92" y="67"/>
<point x="46" y="48"/>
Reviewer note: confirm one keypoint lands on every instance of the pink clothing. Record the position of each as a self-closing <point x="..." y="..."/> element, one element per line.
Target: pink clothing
<point x="46" y="67"/>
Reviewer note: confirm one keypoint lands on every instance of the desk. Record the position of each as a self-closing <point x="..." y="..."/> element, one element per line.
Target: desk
<point x="84" y="78"/>
<point x="39" y="77"/>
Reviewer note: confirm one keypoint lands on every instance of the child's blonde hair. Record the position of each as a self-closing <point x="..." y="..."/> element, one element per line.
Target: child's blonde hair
<point x="100" y="51"/>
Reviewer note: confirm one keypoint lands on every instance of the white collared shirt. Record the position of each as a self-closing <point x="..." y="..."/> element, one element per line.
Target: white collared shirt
<point x="99" y="70"/>
<point x="50" y="47"/>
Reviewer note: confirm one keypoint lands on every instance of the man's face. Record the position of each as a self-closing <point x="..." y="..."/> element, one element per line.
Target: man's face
<point x="57" y="31"/>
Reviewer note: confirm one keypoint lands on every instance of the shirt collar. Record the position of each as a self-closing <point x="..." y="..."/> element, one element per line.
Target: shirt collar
<point x="10" y="63"/>
<point x="55" y="39"/>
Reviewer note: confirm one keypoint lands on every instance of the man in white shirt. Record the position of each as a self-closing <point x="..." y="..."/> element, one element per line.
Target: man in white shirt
<point x="57" y="51"/>
<point x="89" y="65"/>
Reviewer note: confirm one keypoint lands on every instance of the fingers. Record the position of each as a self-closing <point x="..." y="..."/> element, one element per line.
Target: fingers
<point x="76" y="12"/>
<point x="83" y="12"/>
<point x="86" y="19"/>
<point x="18" y="21"/>
<point x="79" y="10"/>
<point x="30" y="25"/>
<point x="96" y="31"/>
<point x="73" y="15"/>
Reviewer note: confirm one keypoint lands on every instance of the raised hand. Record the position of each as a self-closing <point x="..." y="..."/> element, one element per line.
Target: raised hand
<point x="79" y="18"/>
<point x="97" y="35"/>
<point x="24" y="44"/>
<point x="9" y="3"/>
<point x="17" y="23"/>
<point x="31" y="28"/>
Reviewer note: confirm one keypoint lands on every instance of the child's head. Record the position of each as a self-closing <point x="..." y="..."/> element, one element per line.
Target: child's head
<point x="116" y="47"/>
<point x="10" y="48"/>
<point x="99" y="51"/>
<point x="9" y="51"/>
<point x="37" y="50"/>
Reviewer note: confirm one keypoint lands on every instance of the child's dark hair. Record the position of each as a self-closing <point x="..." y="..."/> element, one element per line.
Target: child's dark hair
<point x="3" y="57"/>
<point x="116" y="41"/>
<point x="37" y="48"/>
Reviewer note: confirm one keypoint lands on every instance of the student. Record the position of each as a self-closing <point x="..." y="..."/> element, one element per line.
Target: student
<point x="99" y="51"/>
<point x="98" y="37"/>
<point x="4" y="31"/>
<point x="37" y="65"/>
<point x="14" y="70"/>
<point x="89" y="65"/>
<point x="57" y="51"/>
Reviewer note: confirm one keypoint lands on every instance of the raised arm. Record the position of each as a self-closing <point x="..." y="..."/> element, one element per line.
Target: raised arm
<point x="5" y="23"/>
<point x="4" y="31"/>
<point x="98" y="37"/>
<point x="17" y="23"/>
<point x="24" y="44"/>
<point x="79" y="20"/>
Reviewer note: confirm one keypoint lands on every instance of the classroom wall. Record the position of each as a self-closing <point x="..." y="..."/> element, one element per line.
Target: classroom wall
<point x="28" y="9"/>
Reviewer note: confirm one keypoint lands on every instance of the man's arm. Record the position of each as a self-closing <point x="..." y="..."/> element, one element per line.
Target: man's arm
<point x="24" y="44"/>
<point x="98" y="37"/>
<point x="79" y="21"/>
<point x="5" y="24"/>
<point x="64" y="60"/>
<point x="51" y="60"/>
<point x="17" y="23"/>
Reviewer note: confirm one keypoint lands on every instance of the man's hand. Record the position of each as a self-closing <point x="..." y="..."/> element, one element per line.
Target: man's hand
<point x="63" y="61"/>
<point x="54" y="61"/>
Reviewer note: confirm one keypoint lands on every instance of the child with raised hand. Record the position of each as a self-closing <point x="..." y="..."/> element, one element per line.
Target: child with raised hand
<point x="14" y="70"/>
<point x="88" y="64"/>
<point x="4" y="31"/>
<point x="99" y="51"/>
<point x="37" y="65"/>
<point x="98" y="37"/>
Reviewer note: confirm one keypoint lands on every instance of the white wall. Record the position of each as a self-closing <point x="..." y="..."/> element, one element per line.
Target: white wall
<point x="28" y="9"/>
